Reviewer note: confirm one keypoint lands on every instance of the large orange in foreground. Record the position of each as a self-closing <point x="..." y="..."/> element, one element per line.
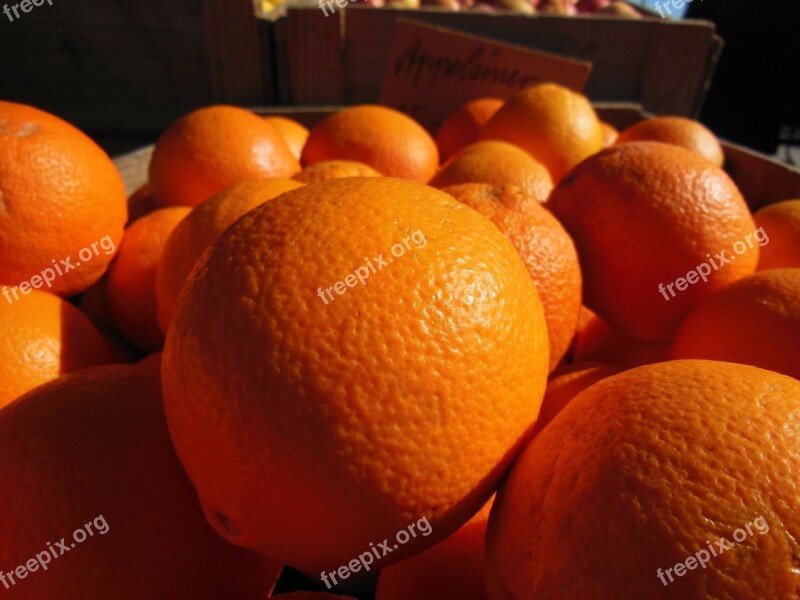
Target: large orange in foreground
<point x="650" y="469"/>
<point x="62" y="203"/>
<point x="88" y="458"/>
<point x="385" y="139"/>
<point x="657" y="228"/>
<point x="351" y="358"/>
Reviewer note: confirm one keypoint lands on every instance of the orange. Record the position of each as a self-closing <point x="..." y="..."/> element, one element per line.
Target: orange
<point x="140" y="203"/>
<point x="60" y="196"/>
<point x="598" y="341"/>
<point x="648" y="469"/>
<point x="131" y="290"/>
<point x="453" y="568"/>
<point x="754" y="321"/>
<point x="548" y="253"/>
<point x="657" y="229"/>
<point x="387" y="140"/>
<point x="198" y="231"/>
<point x="461" y="127"/>
<point x="610" y="134"/>
<point x="780" y="235"/>
<point x="497" y="164"/>
<point x="87" y="461"/>
<point x="212" y="148"/>
<point x="316" y="414"/>
<point x="679" y="131"/>
<point x="43" y="338"/>
<point x="555" y="125"/>
<point x="292" y="132"/>
<point x="94" y="304"/>
<point x="334" y="169"/>
<point x="566" y="383"/>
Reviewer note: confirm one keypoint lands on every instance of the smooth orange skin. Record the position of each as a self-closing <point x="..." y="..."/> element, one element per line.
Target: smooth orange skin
<point x="453" y="568"/>
<point x="334" y="169"/>
<point x="131" y="289"/>
<point x="598" y="341"/>
<point x="754" y="321"/>
<point x="566" y="383"/>
<point x="292" y="132"/>
<point x="497" y="164"/>
<point x="610" y="134"/>
<point x="680" y="131"/>
<point x="200" y="229"/>
<point x="547" y="251"/>
<point x="213" y="148"/>
<point x="637" y="472"/>
<point x="312" y="429"/>
<point x="94" y="304"/>
<point x="59" y="193"/>
<point x="96" y="443"/>
<point x="781" y="223"/>
<point x="387" y="140"/>
<point x="644" y="214"/>
<point x="556" y="126"/>
<point x="44" y="337"/>
<point x="461" y="127"/>
<point x="140" y="203"/>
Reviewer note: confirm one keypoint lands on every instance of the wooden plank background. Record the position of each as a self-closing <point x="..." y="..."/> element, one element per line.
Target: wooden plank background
<point x="666" y="66"/>
<point x="136" y="66"/>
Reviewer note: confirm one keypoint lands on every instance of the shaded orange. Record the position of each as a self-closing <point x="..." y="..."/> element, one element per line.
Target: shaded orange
<point x="292" y="132"/>
<point x="566" y="383"/>
<point x="453" y="568"/>
<point x="131" y="288"/>
<point x="547" y="251"/>
<point x="387" y="140"/>
<point x="461" y="127"/>
<point x="555" y="125"/>
<point x="59" y="193"/>
<point x="641" y="471"/>
<point x="642" y="215"/>
<point x="213" y="148"/>
<point x="753" y="321"/>
<point x="93" y="447"/>
<point x="497" y="164"/>
<point x="312" y="427"/>
<point x="678" y="131"/>
<point x="780" y="224"/>
<point x="140" y="203"/>
<point x="334" y="169"/>
<point x="43" y="337"/>
<point x="197" y="232"/>
<point x="598" y="341"/>
<point x="609" y="133"/>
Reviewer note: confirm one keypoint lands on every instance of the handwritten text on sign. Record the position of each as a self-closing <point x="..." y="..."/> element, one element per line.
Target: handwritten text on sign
<point x="432" y="71"/>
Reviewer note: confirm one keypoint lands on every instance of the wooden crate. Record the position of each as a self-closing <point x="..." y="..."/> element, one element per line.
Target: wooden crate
<point x="665" y="66"/>
<point x="761" y="179"/>
<point x="135" y="66"/>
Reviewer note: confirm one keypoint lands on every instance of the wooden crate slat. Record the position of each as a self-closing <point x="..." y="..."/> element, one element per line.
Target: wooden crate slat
<point x="232" y="39"/>
<point x="664" y="65"/>
<point x="314" y="56"/>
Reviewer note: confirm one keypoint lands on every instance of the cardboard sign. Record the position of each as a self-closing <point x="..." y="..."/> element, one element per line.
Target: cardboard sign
<point x="433" y="70"/>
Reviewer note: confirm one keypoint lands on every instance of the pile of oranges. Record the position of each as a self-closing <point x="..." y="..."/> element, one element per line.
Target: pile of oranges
<point x="530" y="357"/>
